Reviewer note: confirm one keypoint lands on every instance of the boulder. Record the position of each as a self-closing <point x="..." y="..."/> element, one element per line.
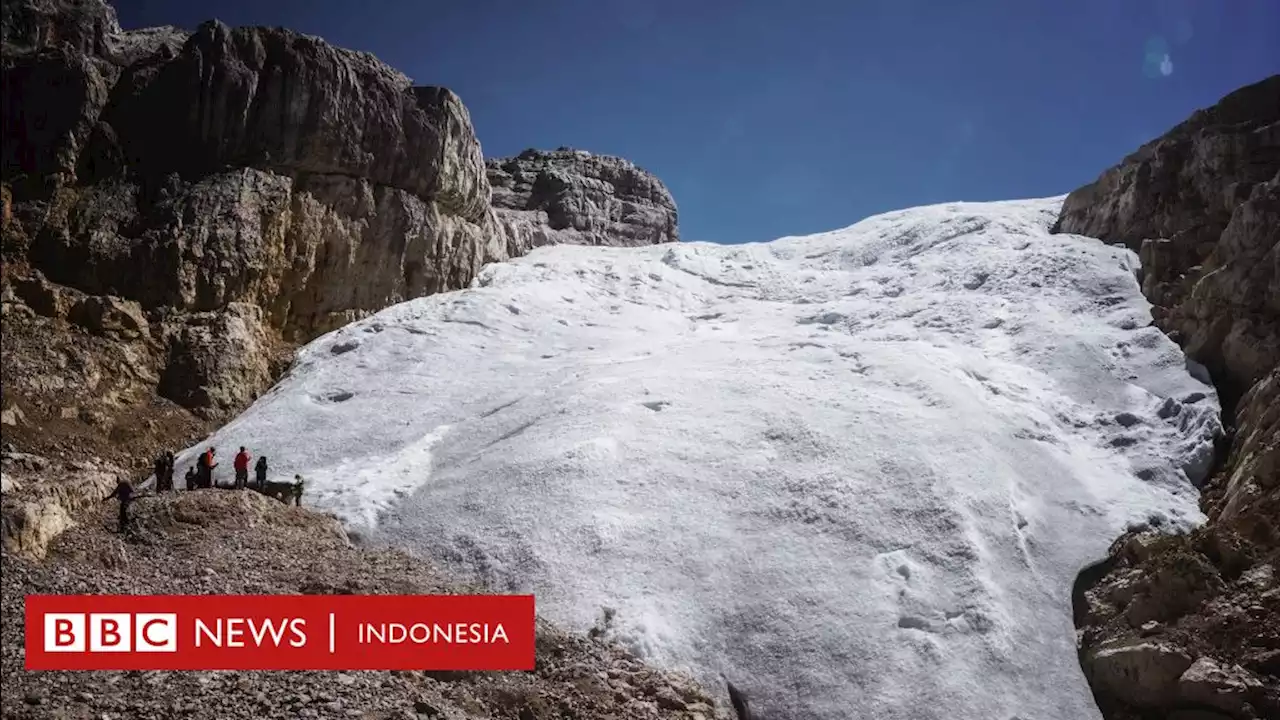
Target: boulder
<point x="1145" y="673"/>
<point x="106" y="315"/>
<point x="571" y="196"/>
<point x="218" y="361"/>
<point x="43" y="297"/>
<point x="1207" y="683"/>
<point x="29" y="527"/>
<point x="12" y="416"/>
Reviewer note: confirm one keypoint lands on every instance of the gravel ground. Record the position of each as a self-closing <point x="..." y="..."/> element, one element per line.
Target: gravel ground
<point x="228" y="542"/>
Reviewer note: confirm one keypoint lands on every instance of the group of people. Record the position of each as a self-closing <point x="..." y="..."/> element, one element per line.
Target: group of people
<point x="200" y="476"/>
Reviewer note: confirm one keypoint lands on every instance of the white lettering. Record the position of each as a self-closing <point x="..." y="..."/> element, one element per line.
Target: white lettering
<point x="423" y="633"/>
<point x="231" y="632"/>
<point x="298" y="627"/>
<point x="267" y="627"/>
<point x="235" y="632"/>
<point x="215" y="638"/>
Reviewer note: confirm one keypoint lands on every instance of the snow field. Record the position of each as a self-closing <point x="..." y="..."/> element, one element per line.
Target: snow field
<point x="856" y="472"/>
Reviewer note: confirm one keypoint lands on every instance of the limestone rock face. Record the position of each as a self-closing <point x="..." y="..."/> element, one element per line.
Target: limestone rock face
<point x="180" y="209"/>
<point x="315" y="252"/>
<point x="213" y="196"/>
<point x="573" y="197"/>
<point x="277" y="100"/>
<point x="1201" y="204"/>
<point x="83" y="27"/>
<point x="218" y="359"/>
<point x="43" y="499"/>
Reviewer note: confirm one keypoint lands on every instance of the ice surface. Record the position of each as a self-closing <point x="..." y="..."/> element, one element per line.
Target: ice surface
<point x="855" y="472"/>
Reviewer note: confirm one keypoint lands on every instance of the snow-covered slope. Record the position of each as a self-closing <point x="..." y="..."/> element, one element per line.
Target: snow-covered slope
<point x="855" y="472"/>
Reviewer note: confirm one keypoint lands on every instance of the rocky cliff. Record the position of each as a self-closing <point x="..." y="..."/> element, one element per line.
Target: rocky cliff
<point x="1192" y="623"/>
<point x="181" y="209"/>
<point x="573" y="197"/>
<point x="204" y="200"/>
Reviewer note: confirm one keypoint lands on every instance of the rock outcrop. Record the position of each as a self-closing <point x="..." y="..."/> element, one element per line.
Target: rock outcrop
<point x="572" y="197"/>
<point x="206" y="200"/>
<point x="1201" y="205"/>
<point x="43" y="499"/>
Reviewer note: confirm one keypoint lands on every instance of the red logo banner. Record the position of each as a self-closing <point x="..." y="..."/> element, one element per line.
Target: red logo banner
<point x="279" y="632"/>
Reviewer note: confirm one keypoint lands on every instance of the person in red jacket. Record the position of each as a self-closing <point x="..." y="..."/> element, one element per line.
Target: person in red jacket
<point x="242" y="468"/>
<point x="204" y="469"/>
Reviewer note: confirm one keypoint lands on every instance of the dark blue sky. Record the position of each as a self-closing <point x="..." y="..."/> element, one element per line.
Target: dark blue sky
<point x="786" y="117"/>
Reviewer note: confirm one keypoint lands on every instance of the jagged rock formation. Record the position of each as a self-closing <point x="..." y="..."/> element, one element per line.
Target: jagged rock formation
<point x="249" y="165"/>
<point x="573" y="197"/>
<point x="211" y="198"/>
<point x="207" y="200"/>
<point x="1200" y="204"/>
<point x="1192" y="623"/>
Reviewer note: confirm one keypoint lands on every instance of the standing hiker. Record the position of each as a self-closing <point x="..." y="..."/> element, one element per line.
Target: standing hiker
<point x="168" y="470"/>
<point x="204" y="468"/>
<point x="297" y="490"/>
<point x="159" y="472"/>
<point x="124" y="493"/>
<point x="164" y="472"/>
<point x="260" y="470"/>
<point x="242" y="468"/>
<point x="193" y="479"/>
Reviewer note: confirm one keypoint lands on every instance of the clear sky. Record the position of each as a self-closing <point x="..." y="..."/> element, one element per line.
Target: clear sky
<point x="786" y="117"/>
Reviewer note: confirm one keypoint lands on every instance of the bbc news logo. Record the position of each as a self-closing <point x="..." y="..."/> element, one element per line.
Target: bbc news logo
<point x="110" y="632"/>
<point x="278" y="632"/>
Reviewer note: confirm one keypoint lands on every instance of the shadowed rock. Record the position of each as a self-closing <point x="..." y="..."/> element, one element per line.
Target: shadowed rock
<point x="177" y="175"/>
<point x="1201" y="205"/>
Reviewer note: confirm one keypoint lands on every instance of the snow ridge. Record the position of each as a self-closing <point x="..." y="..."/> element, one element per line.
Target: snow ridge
<point x="855" y="472"/>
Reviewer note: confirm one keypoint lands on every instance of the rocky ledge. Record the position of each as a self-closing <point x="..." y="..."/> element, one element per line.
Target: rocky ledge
<point x="573" y="197"/>
<point x="1189" y="625"/>
<point x="233" y="542"/>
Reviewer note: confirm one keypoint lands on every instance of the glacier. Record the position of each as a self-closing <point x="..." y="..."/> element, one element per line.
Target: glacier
<point x="855" y="473"/>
